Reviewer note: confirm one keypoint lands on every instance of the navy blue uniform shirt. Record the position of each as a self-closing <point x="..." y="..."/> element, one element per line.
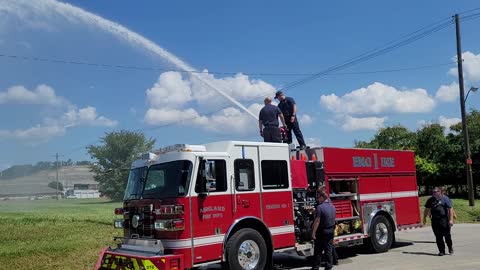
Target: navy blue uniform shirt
<point x="439" y="208"/>
<point x="269" y="115"/>
<point x="326" y="211"/>
<point x="286" y="106"/>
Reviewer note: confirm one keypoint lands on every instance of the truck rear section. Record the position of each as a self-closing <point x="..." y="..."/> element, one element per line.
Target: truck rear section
<point x="374" y="192"/>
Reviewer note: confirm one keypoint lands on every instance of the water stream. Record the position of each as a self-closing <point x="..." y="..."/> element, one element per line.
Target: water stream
<point x="76" y="14"/>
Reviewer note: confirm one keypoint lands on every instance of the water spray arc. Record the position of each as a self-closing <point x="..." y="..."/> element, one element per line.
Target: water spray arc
<point x="76" y="14"/>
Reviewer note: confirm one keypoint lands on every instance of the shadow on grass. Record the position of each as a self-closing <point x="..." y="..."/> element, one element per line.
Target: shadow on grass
<point x="99" y="202"/>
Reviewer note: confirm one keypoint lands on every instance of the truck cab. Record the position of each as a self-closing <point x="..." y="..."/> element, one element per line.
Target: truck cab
<point x="205" y="203"/>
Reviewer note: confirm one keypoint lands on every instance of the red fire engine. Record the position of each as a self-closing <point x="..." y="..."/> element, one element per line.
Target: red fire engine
<point x="238" y="202"/>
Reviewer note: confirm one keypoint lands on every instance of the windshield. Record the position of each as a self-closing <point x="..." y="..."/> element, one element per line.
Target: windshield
<point x="169" y="179"/>
<point x="135" y="183"/>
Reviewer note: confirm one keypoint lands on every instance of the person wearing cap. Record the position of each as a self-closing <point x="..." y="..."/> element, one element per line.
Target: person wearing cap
<point x="268" y="122"/>
<point x="289" y="109"/>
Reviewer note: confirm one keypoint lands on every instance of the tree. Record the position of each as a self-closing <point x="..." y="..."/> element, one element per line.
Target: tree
<point x="114" y="156"/>
<point x="53" y="185"/>
<point x="395" y="137"/>
<point x="83" y="162"/>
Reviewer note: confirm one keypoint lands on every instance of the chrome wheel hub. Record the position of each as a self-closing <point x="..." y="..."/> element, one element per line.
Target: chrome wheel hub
<point x="381" y="233"/>
<point x="248" y="254"/>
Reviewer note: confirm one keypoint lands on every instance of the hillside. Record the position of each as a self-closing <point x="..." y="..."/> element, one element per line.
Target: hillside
<point x="36" y="184"/>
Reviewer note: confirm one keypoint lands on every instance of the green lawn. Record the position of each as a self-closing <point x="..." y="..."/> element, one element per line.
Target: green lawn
<point x="465" y="213"/>
<point x="68" y="234"/>
<point x="50" y="234"/>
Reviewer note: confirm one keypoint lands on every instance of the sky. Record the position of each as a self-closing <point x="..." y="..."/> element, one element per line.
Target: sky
<point x="73" y="94"/>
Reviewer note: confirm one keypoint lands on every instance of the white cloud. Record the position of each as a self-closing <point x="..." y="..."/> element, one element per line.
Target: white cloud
<point x="448" y="122"/>
<point x="350" y="123"/>
<point x="175" y="98"/>
<point x="442" y="121"/>
<point x="379" y="98"/>
<point x="448" y="93"/>
<point x="167" y="116"/>
<point x="471" y="67"/>
<point x="50" y="127"/>
<point x="170" y="90"/>
<point x="34" y="135"/>
<point x="42" y="94"/>
<point x="312" y="142"/>
<point x="227" y="121"/>
<point x="233" y="121"/>
<point x="305" y="119"/>
<point x="86" y="116"/>
<point x="239" y="87"/>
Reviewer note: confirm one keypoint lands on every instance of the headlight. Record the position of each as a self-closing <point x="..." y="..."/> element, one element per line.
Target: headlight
<point x="118" y="223"/>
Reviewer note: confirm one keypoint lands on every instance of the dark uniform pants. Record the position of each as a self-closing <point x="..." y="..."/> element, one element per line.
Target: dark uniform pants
<point x="323" y="244"/>
<point x="271" y="134"/>
<point x="296" y="129"/>
<point x="441" y="229"/>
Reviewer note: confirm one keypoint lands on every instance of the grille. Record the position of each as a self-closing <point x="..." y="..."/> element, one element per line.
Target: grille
<point x="145" y="227"/>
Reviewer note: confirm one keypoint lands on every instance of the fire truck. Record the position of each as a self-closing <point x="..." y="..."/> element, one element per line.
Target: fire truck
<point x="236" y="203"/>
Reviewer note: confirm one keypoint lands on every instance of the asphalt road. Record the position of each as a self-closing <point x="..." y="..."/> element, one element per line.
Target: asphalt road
<point x="415" y="249"/>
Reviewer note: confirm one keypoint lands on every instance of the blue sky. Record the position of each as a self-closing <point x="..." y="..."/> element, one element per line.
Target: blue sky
<point x="48" y="107"/>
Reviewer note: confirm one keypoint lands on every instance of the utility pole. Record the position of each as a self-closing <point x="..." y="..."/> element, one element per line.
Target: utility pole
<point x="468" y="159"/>
<point x="56" y="167"/>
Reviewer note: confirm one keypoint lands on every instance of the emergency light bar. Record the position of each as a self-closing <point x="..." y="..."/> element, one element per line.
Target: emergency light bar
<point x="148" y="156"/>
<point x="182" y="148"/>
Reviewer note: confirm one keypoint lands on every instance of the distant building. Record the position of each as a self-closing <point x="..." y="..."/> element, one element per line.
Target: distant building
<point x="83" y="191"/>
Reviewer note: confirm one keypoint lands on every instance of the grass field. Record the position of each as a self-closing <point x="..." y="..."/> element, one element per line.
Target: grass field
<point x="50" y="234"/>
<point x="465" y="213"/>
<point x="68" y="234"/>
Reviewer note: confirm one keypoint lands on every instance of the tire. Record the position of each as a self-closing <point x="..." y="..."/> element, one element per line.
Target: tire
<point x="246" y="250"/>
<point x="381" y="235"/>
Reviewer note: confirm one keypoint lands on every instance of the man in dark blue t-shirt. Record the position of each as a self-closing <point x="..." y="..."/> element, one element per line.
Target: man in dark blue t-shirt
<point x="268" y="122"/>
<point x="439" y="208"/>
<point x="289" y="109"/>
<point x="323" y="231"/>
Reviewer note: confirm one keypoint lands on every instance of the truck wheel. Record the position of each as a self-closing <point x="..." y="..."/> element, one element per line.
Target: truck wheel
<point x="381" y="234"/>
<point x="246" y="250"/>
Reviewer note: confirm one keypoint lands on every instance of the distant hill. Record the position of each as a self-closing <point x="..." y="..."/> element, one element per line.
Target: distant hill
<point x="37" y="183"/>
<point x="17" y="171"/>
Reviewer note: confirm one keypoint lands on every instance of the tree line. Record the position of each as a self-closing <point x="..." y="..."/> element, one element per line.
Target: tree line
<point x="439" y="152"/>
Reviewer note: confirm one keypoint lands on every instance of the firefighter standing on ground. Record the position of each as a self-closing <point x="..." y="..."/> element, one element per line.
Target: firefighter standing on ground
<point x="289" y="109"/>
<point x="268" y="122"/>
<point x="323" y="231"/>
<point x="439" y="208"/>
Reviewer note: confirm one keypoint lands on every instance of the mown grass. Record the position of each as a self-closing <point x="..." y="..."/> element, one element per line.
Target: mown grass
<point x="69" y="234"/>
<point x="465" y="213"/>
<point x="50" y="234"/>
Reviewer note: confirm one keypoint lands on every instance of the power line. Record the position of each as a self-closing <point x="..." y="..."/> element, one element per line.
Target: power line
<point x="392" y="45"/>
<point x="205" y="72"/>
<point x="470" y="17"/>
<point x="368" y="56"/>
<point x="468" y="11"/>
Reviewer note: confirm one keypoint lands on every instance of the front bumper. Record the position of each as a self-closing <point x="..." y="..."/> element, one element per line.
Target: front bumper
<point x="120" y="260"/>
